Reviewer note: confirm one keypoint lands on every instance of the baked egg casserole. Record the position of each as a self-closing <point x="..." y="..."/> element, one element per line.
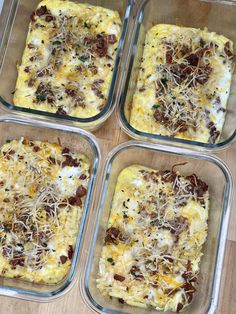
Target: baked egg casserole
<point x="68" y="61"/>
<point x="42" y="192"/>
<point x="183" y="83"/>
<point x="154" y="238"/>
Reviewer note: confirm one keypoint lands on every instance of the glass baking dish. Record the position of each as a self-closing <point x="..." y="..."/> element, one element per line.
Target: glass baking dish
<point x="13" y="127"/>
<point x="217" y="16"/>
<point x="211" y="170"/>
<point x="14" y="25"/>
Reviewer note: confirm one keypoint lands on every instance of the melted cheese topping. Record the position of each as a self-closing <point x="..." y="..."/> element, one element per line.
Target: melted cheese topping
<point x="183" y="84"/>
<point x="42" y="192"/>
<point x="69" y="57"/>
<point x="153" y="244"/>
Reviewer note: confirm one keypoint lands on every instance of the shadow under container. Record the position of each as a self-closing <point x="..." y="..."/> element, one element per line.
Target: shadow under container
<point x="12" y="127"/>
<point x="217" y="16"/>
<point x="208" y="168"/>
<point x="14" y="25"/>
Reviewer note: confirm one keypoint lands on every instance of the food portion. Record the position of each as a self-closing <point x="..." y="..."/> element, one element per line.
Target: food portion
<point x="68" y="61"/>
<point x="154" y="238"/>
<point x="42" y="192"/>
<point x="183" y="84"/>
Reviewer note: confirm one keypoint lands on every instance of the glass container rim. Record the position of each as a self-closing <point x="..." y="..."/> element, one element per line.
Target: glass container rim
<point x="222" y="237"/>
<point x="88" y="206"/>
<point x="110" y="104"/>
<point x="155" y="138"/>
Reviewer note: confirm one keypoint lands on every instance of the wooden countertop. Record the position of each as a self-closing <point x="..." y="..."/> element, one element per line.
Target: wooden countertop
<point x="109" y="136"/>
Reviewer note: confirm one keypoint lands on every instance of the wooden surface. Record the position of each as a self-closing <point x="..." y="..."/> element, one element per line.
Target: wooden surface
<point x="109" y="136"/>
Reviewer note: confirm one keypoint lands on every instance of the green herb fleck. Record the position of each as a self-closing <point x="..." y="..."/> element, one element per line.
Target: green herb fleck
<point x="83" y="58"/>
<point x="164" y="81"/>
<point x="87" y="25"/>
<point x="110" y="260"/>
<point x="125" y="215"/>
<point x="155" y="106"/>
<point x="57" y="42"/>
<point x="41" y="97"/>
<point x="8" y="141"/>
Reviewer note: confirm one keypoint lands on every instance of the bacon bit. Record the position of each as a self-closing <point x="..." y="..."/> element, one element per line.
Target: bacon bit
<point x="81" y="191"/>
<point x="93" y="69"/>
<point x="112" y="235"/>
<point x="218" y="100"/>
<point x="193" y="59"/>
<point x="60" y="111"/>
<point x="170" y="292"/>
<point x="96" y="87"/>
<point x="65" y="151"/>
<point x="1" y="183"/>
<point x="31" y="46"/>
<point x="17" y="262"/>
<point x="101" y="46"/>
<point x="42" y="10"/>
<point x="70" y="91"/>
<point x="70" y="252"/>
<point x="119" y="277"/>
<point x="136" y="272"/>
<point x="27" y="69"/>
<point x="179" y="307"/>
<point x="42" y="73"/>
<point x="74" y="201"/>
<point x="36" y="149"/>
<point x="82" y="177"/>
<point x="142" y="89"/>
<point x="49" y="18"/>
<point x="70" y="161"/>
<point x="63" y="259"/>
<point x="111" y="39"/>
<point x="168" y="176"/>
<point x="31" y="82"/>
<point x="196" y="185"/>
<point x="227" y="50"/>
<point x="169" y="56"/>
<point x="221" y="109"/>
<point x="52" y="160"/>
<point x="32" y="17"/>
<point x="214" y="134"/>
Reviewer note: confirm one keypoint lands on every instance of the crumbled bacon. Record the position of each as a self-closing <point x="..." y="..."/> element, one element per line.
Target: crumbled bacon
<point x="60" y="111"/>
<point x="119" y="277"/>
<point x="196" y="185"/>
<point x="228" y="51"/>
<point x="17" y="261"/>
<point x="70" y="252"/>
<point x="63" y="259"/>
<point x="96" y="87"/>
<point x="49" y="18"/>
<point x="70" y="161"/>
<point x="42" y="10"/>
<point x="136" y="272"/>
<point x="101" y="46"/>
<point x="111" y="39"/>
<point x="81" y="191"/>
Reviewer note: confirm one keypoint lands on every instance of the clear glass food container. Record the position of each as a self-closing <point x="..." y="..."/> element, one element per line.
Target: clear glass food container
<point x="211" y="170"/>
<point x="13" y="127"/>
<point x="14" y="25"/>
<point x="217" y="16"/>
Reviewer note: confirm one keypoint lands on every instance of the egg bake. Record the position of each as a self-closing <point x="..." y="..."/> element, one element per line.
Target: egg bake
<point x="153" y="243"/>
<point x="42" y="191"/>
<point x="68" y="60"/>
<point x="183" y="84"/>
